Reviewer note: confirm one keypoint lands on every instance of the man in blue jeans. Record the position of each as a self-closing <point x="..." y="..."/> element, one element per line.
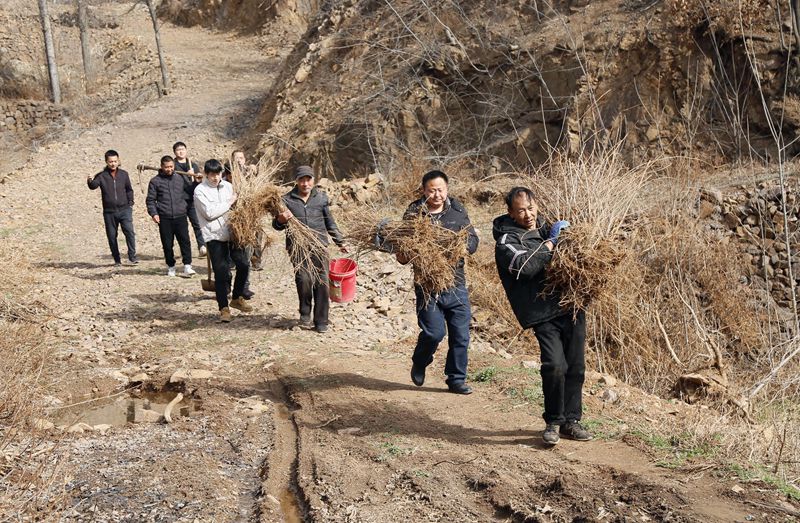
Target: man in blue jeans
<point x="449" y="311"/>
<point x="117" y="196"/>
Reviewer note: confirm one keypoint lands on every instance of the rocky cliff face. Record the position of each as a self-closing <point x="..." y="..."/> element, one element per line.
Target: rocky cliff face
<point x="504" y="82"/>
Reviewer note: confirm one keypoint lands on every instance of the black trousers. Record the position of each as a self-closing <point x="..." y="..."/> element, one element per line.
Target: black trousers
<point x="312" y="284"/>
<point x="175" y="228"/>
<point x="222" y="254"/>
<point x="198" y="234"/>
<point x="561" y="341"/>
<point x="113" y="220"/>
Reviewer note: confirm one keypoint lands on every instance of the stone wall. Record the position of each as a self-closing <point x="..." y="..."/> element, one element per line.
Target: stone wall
<point x="25" y="117"/>
<point x="753" y="217"/>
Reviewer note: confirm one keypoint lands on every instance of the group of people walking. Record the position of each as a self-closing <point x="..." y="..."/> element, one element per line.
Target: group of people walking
<point x="524" y="246"/>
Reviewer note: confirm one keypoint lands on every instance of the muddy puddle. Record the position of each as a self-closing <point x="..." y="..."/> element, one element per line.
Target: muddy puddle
<point x="143" y="407"/>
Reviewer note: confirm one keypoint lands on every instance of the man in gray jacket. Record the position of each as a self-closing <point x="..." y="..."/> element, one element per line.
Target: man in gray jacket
<point x="167" y="204"/>
<point x="311" y="207"/>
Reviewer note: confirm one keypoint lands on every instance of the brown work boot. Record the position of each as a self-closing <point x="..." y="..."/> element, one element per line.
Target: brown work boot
<point x="241" y="304"/>
<point x="225" y="315"/>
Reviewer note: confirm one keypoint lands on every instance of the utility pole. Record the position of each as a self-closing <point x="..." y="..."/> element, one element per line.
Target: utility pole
<point x="83" y="24"/>
<point x="164" y="73"/>
<point x="50" y="51"/>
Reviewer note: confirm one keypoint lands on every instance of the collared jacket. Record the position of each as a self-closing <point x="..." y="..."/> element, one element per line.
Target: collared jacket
<point x="522" y="259"/>
<point x="212" y="205"/>
<point x="454" y="217"/>
<point x="315" y="212"/>
<point x="116" y="191"/>
<point x="169" y="196"/>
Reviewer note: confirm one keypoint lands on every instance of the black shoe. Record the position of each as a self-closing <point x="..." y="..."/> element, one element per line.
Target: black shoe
<point x="247" y="294"/>
<point x="459" y="388"/>
<point x="117" y="264"/>
<point x="134" y="261"/>
<point x="550" y="434"/>
<point x="574" y="430"/>
<point x="305" y="319"/>
<point x="321" y="328"/>
<point x="417" y="375"/>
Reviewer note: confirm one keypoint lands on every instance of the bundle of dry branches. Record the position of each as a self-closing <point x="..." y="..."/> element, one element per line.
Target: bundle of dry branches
<point x="597" y="193"/>
<point x="257" y="197"/>
<point x="432" y="250"/>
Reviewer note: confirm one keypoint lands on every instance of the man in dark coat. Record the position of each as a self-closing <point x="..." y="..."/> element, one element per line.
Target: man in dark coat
<point x="524" y="246"/>
<point x="168" y="198"/>
<point x="311" y="207"/>
<point x="117" y="196"/>
<point x="449" y="309"/>
<point x="184" y="164"/>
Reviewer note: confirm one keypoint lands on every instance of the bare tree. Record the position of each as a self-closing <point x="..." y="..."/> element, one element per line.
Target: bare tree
<point x="161" y="61"/>
<point x="50" y="51"/>
<point x="83" y="24"/>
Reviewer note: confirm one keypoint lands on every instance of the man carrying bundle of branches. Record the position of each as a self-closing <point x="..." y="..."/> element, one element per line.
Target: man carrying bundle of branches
<point x="523" y="250"/>
<point x="213" y="199"/>
<point x="448" y="308"/>
<point x="310" y="207"/>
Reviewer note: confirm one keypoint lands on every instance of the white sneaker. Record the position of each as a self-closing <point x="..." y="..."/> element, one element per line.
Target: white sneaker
<point x="203" y="251"/>
<point x="188" y="271"/>
<point x="171" y="271"/>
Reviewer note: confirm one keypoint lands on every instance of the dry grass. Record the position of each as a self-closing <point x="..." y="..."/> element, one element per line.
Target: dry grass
<point x="258" y="197"/>
<point x="598" y="194"/>
<point x="29" y="467"/>
<point x="432" y="250"/>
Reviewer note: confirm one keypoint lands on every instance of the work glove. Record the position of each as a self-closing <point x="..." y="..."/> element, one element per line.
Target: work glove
<point x="556" y="229"/>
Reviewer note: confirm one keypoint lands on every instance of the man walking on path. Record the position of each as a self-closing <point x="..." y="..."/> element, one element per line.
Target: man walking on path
<point x="310" y="206"/>
<point x="117" y="196"/>
<point x="524" y="246"/>
<point x="449" y="309"/>
<point x="183" y="164"/>
<point x="168" y="198"/>
<point x="213" y="199"/>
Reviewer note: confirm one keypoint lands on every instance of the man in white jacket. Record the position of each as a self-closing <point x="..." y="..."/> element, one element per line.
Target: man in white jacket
<point x="213" y="199"/>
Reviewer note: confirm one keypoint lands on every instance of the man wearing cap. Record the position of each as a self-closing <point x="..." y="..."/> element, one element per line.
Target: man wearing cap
<point x="311" y="207"/>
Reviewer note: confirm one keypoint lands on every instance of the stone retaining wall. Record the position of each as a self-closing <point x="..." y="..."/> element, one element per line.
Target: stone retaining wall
<point x="22" y="117"/>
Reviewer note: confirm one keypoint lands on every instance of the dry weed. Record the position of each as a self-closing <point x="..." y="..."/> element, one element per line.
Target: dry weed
<point x="432" y="250"/>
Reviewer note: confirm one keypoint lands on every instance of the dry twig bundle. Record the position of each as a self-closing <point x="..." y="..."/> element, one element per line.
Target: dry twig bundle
<point x="597" y="194"/>
<point x="432" y="250"/>
<point x="257" y="197"/>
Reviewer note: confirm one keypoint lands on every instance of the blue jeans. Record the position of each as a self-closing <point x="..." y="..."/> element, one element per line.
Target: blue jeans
<point x="113" y="220"/>
<point x="449" y="309"/>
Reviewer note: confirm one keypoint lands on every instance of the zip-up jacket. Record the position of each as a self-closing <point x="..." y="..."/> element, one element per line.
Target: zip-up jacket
<point x="213" y="204"/>
<point x="454" y="217"/>
<point x="522" y="259"/>
<point x="116" y="191"/>
<point x="315" y="213"/>
<point x="169" y="196"/>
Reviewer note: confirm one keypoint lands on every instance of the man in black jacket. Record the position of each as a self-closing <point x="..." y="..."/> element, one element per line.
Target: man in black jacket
<point x="449" y="309"/>
<point x="524" y="246"/>
<point x="117" y="195"/>
<point x="310" y="206"/>
<point x="184" y="164"/>
<point x="168" y="198"/>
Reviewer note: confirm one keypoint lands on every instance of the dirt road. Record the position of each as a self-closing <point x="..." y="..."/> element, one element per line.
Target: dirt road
<point x="281" y="423"/>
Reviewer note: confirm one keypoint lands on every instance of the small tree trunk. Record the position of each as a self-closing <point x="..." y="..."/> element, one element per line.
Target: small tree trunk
<point x="50" y="52"/>
<point x="83" y="24"/>
<point x="161" y="61"/>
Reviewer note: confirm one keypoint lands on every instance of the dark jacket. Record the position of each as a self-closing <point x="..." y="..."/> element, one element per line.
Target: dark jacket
<point x="315" y="213"/>
<point x="453" y="217"/>
<point x="169" y="196"/>
<point x="522" y="259"/>
<point x="186" y="165"/>
<point x="116" y="192"/>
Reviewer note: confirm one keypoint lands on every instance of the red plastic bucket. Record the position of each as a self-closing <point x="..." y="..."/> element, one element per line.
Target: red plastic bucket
<point x="342" y="279"/>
